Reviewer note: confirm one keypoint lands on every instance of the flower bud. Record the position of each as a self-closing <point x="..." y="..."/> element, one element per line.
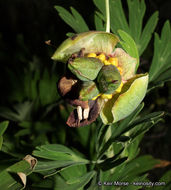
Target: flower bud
<point x="108" y="79"/>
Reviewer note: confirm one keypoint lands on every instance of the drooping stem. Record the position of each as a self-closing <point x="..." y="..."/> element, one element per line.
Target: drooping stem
<point x="107" y="16"/>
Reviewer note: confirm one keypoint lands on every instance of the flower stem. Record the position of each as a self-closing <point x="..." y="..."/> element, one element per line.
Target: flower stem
<point x="107" y="16"/>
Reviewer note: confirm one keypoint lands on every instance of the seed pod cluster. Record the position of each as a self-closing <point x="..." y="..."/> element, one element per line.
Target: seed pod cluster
<point x="96" y="77"/>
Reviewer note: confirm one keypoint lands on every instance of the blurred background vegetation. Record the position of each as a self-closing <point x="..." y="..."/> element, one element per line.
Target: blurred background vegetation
<point x="28" y="77"/>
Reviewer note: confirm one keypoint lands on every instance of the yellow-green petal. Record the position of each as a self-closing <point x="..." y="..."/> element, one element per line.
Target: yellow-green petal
<point x="124" y="103"/>
<point x="93" y="41"/>
<point x="126" y="62"/>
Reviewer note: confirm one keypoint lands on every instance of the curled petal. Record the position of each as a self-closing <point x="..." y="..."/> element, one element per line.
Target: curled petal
<point x="66" y="84"/>
<point x="126" y="62"/>
<point x="124" y="103"/>
<point x="93" y="41"/>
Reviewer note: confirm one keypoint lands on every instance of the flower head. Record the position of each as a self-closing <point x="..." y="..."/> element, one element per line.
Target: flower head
<point x="100" y="79"/>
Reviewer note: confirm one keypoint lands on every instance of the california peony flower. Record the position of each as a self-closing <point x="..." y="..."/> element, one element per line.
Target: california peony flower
<point x="99" y="79"/>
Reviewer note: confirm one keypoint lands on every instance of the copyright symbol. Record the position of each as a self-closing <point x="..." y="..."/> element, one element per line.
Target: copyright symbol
<point x="99" y="183"/>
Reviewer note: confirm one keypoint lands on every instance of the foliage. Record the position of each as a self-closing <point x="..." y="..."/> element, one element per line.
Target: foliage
<point x="77" y="159"/>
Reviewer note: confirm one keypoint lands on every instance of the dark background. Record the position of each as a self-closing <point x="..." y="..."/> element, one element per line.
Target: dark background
<point x="26" y="24"/>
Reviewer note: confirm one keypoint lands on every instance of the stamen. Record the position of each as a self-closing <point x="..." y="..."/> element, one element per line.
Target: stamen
<point x="74" y="81"/>
<point x="113" y="61"/>
<point x="102" y="57"/>
<point x="79" y="112"/>
<point x="86" y="113"/>
<point x="119" y="88"/>
<point x="91" y="55"/>
<point x="106" y="96"/>
<point x="96" y="97"/>
<point x="107" y="62"/>
<point x="120" y="70"/>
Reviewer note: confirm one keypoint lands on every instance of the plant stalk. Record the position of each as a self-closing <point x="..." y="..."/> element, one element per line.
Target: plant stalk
<point x="107" y="16"/>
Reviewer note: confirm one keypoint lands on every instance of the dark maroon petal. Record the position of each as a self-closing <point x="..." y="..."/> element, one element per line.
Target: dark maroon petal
<point x="68" y="87"/>
<point x="77" y="102"/>
<point x="73" y="120"/>
<point x="65" y="85"/>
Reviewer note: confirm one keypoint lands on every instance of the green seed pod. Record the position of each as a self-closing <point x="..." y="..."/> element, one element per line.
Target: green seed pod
<point x="108" y="79"/>
<point x="85" y="68"/>
<point x="93" y="41"/>
<point x="88" y="91"/>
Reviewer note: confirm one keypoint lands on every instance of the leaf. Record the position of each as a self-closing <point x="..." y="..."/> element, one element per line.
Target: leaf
<point x="11" y="177"/>
<point x="3" y="127"/>
<point x="22" y="111"/>
<point x="136" y="17"/>
<point x="147" y="32"/>
<point x="47" y="88"/>
<point x="133" y="180"/>
<point x="117" y="133"/>
<point x="84" y="134"/>
<point x="60" y="164"/>
<point x="138" y="166"/>
<point x="165" y="180"/>
<point x="98" y="23"/>
<point x="164" y="76"/>
<point x="61" y="156"/>
<point x="162" y="55"/>
<point x="112" y="162"/>
<point x="77" y="180"/>
<point x="93" y="185"/>
<point x="45" y="184"/>
<point x="80" y="21"/>
<point x="130" y="118"/>
<point x="81" y="182"/>
<point x="129" y="45"/>
<point x="57" y="157"/>
<point x="134" y="28"/>
<point x="1" y="141"/>
<point x="147" y="118"/>
<point x="144" y="127"/>
<point x="74" y="20"/>
<point x="118" y="18"/>
<point x="55" y="148"/>
<point x="132" y="148"/>
<point x="72" y="173"/>
<point x="101" y="136"/>
<point x="159" y="81"/>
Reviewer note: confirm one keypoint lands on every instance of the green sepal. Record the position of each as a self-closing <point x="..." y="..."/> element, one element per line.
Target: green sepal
<point x="93" y="41"/>
<point x="88" y="91"/>
<point x="124" y="103"/>
<point x="108" y="79"/>
<point x="85" y="68"/>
